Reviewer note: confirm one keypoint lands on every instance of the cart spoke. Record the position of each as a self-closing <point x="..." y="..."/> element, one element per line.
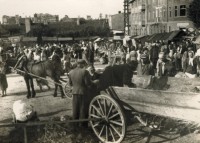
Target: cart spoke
<point x="100" y="107"/>
<point x="105" y="106"/>
<point x="97" y="110"/>
<point x="116" y="123"/>
<point x="113" y="116"/>
<point x="102" y="130"/>
<point x="110" y="110"/>
<point x="112" y="134"/>
<point x="106" y="133"/>
<point x="115" y="130"/>
<point x="95" y="125"/>
<point x="95" y="116"/>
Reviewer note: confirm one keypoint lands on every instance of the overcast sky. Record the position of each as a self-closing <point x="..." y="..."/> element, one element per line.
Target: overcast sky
<point x="72" y="8"/>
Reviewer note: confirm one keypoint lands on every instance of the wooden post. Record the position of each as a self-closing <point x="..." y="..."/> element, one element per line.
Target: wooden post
<point x="25" y="135"/>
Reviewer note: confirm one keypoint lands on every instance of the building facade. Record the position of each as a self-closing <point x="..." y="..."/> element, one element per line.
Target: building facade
<point x="66" y="19"/>
<point x="158" y="16"/>
<point x="9" y="20"/>
<point x="116" y="22"/>
<point x="137" y="18"/>
<point x="45" y="18"/>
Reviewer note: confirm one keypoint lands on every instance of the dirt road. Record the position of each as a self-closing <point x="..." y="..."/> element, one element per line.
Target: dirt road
<point x="45" y="104"/>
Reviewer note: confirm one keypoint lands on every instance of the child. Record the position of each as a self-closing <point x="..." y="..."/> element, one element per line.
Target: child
<point x="3" y="79"/>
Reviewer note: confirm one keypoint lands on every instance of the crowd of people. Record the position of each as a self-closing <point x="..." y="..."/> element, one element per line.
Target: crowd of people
<point x="157" y="58"/>
<point x="77" y="60"/>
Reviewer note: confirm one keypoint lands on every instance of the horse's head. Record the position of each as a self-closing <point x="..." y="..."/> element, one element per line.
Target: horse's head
<point x="20" y="62"/>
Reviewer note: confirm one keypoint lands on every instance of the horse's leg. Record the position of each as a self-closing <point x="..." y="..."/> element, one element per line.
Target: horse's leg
<point x="57" y="82"/>
<point x="32" y="87"/>
<point x="47" y="85"/>
<point x="55" y="91"/>
<point x="61" y="91"/>
<point x="2" y="93"/>
<point x="26" y="78"/>
<point x="5" y="92"/>
<point x="39" y="84"/>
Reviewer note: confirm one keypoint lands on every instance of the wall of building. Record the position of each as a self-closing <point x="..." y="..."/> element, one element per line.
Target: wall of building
<point x="137" y="17"/>
<point x="116" y="22"/>
<point x="158" y="16"/>
<point x="45" y="18"/>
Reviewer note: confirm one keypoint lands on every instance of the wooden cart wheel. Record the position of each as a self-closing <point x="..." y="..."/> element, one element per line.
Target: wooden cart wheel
<point x="67" y="89"/>
<point x="107" y="119"/>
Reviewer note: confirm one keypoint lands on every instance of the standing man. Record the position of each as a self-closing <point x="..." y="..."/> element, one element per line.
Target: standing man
<point x="79" y="79"/>
<point x="91" y="53"/>
<point x="154" y="52"/>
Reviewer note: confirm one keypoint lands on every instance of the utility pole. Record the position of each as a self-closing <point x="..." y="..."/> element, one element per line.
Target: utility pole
<point x="126" y="17"/>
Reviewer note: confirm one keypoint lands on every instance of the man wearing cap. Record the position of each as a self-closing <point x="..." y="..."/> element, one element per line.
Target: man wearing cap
<point x="79" y="79"/>
<point x="91" y="53"/>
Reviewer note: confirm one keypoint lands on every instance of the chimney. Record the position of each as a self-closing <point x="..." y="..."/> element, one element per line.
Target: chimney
<point x="78" y="20"/>
<point x="27" y="24"/>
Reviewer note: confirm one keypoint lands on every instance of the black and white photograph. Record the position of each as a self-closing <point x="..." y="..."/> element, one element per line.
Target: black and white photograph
<point x="99" y="71"/>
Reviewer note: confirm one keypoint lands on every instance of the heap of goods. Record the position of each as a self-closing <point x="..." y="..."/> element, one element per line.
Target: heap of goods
<point x="171" y="84"/>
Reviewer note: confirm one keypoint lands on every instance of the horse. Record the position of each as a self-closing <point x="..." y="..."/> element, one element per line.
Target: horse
<point x="40" y="69"/>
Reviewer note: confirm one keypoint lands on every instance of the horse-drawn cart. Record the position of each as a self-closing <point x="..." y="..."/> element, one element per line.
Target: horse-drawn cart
<point x="108" y="109"/>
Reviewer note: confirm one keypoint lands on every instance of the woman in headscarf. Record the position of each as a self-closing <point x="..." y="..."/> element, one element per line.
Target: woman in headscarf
<point x="190" y="65"/>
<point x="3" y="79"/>
<point x="144" y="66"/>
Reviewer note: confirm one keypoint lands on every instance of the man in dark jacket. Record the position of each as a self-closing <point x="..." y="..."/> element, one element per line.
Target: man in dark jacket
<point x="154" y="52"/>
<point x="79" y="79"/>
<point x="91" y="53"/>
<point x="56" y="59"/>
<point x="118" y="75"/>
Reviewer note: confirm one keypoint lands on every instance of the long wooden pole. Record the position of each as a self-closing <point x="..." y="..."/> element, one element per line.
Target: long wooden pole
<point x="36" y="76"/>
<point x="45" y="123"/>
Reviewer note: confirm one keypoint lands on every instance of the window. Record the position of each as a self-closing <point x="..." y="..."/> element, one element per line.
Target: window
<point x="164" y="13"/>
<point x="160" y="12"/>
<point x="153" y="16"/>
<point x="149" y="15"/>
<point x="170" y="12"/>
<point x="159" y="2"/>
<point x="183" y="10"/>
<point x="176" y="11"/>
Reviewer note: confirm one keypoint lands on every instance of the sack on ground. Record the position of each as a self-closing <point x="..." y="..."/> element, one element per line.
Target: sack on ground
<point x="23" y="111"/>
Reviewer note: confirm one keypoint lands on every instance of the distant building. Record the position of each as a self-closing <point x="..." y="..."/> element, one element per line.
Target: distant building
<point x="66" y="19"/>
<point x="100" y="16"/>
<point x="157" y="16"/>
<point x="28" y="24"/>
<point x="78" y="20"/>
<point x="6" y="20"/>
<point x="45" y="18"/>
<point x="106" y="16"/>
<point x="116" y="22"/>
<point x="89" y="17"/>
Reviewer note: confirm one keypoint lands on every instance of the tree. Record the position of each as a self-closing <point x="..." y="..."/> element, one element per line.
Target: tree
<point x="12" y="29"/>
<point x="194" y="13"/>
